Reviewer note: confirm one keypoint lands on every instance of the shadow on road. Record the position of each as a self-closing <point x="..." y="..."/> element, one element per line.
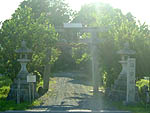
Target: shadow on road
<point x="77" y="77"/>
<point x="73" y="92"/>
<point x="86" y="102"/>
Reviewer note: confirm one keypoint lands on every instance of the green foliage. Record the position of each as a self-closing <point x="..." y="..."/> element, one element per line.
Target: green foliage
<point x="120" y="29"/>
<point x="38" y="33"/>
<point x="57" y="11"/>
<point x="79" y="54"/>
<point x="142" y="84"/>
<point x="11" y="105"/>
<point x="5" y="83"/>
<point x="35" y="21"/>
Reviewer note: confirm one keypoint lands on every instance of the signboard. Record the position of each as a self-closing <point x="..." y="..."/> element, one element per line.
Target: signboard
<point x="72" y="25"/>
<point x="131" y="63"/>
<point x="31" y="78"/>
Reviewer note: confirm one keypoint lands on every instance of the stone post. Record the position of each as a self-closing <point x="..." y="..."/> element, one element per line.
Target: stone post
<point x="131" y="85"/>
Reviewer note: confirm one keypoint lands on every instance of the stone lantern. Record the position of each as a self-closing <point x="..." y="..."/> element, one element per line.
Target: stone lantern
<point x="23" y="51"/>
<point x="20" y="88"/>
<point x="125" y="53"/>
<point x="119" y="88"/>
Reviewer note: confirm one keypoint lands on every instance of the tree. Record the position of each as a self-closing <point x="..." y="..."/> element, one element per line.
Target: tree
<point x="34" y="22"/>
<point x="57" y="12"/>
<point x="121" y="28"/>
<point x="38" y="34"/>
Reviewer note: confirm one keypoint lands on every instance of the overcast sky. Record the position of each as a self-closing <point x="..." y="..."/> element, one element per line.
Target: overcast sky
<point x="139" y="8"/>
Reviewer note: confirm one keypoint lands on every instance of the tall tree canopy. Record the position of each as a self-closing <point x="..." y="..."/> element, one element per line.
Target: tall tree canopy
<point x="57" y="12"/>
<point x="37" y="32"/>
<point x="121" y="28"/>
<point x="35" y="21"/>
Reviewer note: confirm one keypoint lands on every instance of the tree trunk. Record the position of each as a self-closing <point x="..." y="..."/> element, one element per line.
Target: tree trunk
<point x="47" y="71"/>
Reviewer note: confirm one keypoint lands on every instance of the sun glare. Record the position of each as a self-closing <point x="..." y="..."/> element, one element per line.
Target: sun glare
<point x="76" y="4"/>
<point x="138" y="8"/>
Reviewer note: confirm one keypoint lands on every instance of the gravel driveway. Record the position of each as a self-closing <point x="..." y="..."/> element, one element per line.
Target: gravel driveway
<point x="71" y="92"/>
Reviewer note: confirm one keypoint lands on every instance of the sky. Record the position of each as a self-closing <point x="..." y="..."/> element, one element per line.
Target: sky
<point x="139" y="8"/>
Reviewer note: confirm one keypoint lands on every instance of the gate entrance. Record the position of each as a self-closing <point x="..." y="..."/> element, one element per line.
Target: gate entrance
<point x="93" y="41"/>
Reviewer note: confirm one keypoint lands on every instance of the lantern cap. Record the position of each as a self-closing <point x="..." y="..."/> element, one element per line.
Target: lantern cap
<point x="23" y="48"/>
<point x="126" y="50"/>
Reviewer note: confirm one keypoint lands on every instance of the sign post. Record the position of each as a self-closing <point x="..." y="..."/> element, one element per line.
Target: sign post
<point x="31" y="79"/>
<point x="18" y="92"/>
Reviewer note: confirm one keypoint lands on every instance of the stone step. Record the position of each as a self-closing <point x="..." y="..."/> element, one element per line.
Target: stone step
<point x="69" y="111"/>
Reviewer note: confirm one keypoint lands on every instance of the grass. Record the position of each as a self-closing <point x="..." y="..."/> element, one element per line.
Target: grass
<point x="137" y="108"/>
<point x="5" y="83"/>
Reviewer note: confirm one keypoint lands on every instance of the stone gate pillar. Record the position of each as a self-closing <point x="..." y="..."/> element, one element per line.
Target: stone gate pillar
<point x="131" y="83"/>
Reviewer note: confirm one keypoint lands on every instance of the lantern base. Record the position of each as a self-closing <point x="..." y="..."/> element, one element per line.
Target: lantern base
<point x="19" y="90"/>
<point x="118" y="90"/>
